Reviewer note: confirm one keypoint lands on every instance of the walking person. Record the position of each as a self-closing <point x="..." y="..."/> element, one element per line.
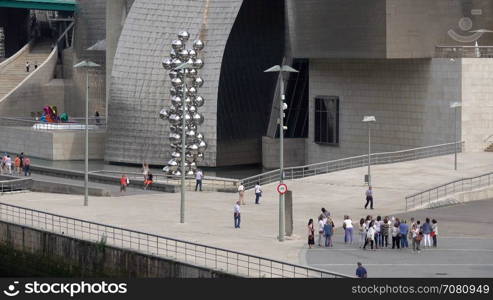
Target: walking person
<point x="362" y="232"/>
<point x="426" y="229"/>
<point x="17" y="165"/>
<point x="124" y="181"/>
<point x="348" y="230"/>
<point x="369" y="197"/>
<point x="237" y="214"/>
<point x="385" y="228"/>
<point x="321" y="224"/>
<point x="198" y="179"/>
<point x="35" y="65"/>
<point x="258" y="193"/>
<point x="328" y="232"/>
<point x="241" y="193"/>
<point x="361" y="271"/>
<point x="27" y="166"/>
<point x="370" y="235"/>
<point x="27" y="66"/>
<point x="404" y="231"/>
<point x="311" y="234"/>
<point x="434" y="233"/>
<point x="396" y="235"/>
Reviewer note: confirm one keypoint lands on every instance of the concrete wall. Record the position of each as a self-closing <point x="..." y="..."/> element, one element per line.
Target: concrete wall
<point x="477" y="103"/>
<point x="239" y="152"/>
<point x="53" y="145"/>
<point x="409" y="98"/>
<point x="35" y="91"/>
<point x="30" y="252"/>
<point x="294" y="152"/>
<point x="140" y="85"/>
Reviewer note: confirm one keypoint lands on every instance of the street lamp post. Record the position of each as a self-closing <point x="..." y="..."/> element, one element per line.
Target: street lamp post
<point x="368" y="120"/>
<point x="86" y="65"/>
<point x="455" y="106"/>
<point x="282" y="106"/>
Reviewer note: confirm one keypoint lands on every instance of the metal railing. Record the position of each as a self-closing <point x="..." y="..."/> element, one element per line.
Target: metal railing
<point x="94" y="123"/>
<point x="464" y="51"/>
<point x="209" y="183"/>
<point x="13" y="185"/>
<point x="219" y="259"/>
<point x="427" y="197"/>
<point x="352" y="162"/>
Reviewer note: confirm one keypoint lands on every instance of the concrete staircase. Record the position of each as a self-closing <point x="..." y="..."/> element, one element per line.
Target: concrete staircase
<point x="15" y="72"/>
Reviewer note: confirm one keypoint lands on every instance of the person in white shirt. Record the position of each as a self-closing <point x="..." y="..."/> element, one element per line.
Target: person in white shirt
<point x="362" y="232"/>
<point x="348" y="230"/>
<point x="8" y="164"/>
<point x="369" y="197"/>
<point x="370" y="235"/>
<point x="258" y="193"/>
<point x="241" y="192"/>
<point x="321" y="224"/>
<point x="237" y="214"/>
<point x="198" y="179"/>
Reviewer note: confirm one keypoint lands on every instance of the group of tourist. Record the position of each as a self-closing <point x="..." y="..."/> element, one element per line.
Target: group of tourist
<point x="376" y="232"/>
<point x="19" y="165"/>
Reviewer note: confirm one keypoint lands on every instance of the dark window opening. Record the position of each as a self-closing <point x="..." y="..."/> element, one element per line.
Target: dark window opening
<point x="327" y="120"/>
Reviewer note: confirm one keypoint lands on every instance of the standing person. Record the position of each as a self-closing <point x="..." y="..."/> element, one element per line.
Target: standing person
<point x="237" y="214"/>
<point x="396" y="236"/>
<point x="148" y="181"/>
<point x="145" y="170"/>
<point x="198" y="179"/>
<point x="124" y="181"/>
<point x="27" y="166"/>
<point x="35" y="65"/>
<point x="385" y="228"/>
<point x="21" y="156"/>
<point x="321" y="224"/>
<point x="3" y="166"/>
<point x="370" y="235"/>
<point x="416" y="235"/>
<point x="361" y="271"/>
<point x="434" y="233"/>
<point x="362" y="232"/>
<point x="17" y="165"/>
<point x="325" y="214"/>
<point x="369" y="197"/>
<point x="97" y="117"/>
<point x="27" y="66"/>
<point x="378" y="233"/>
<point x="311" y="234"/>
<point x="258" y="193"/>
<point x="348" y="230"/>
<point x="328" y="232"/>
<point x="404" y="231"/>
<point x="241" y="192"/>
<point x="8" y="164"/>
<point x="426" y="228"/>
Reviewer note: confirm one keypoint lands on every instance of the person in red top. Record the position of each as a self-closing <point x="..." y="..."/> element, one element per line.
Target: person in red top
<point x="123" y="183"/>
<point x="27" y="166"/>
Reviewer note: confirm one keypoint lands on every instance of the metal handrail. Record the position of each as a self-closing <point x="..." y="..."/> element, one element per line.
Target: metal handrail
<point x="216" y="258"/>
<point x="29" y="122"/>
<point x="352" y="162"/>
<point x="428" y="196"/>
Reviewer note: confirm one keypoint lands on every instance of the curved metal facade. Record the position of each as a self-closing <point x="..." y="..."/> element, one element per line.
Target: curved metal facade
<point x="140" y="86"/>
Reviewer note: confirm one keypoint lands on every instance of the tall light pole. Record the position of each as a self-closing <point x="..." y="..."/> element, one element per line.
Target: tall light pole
<point x="86" y="65"/>
<point x="368" y="120"/>
<point x="282" y="106"/>
<point x="455" y="106"/>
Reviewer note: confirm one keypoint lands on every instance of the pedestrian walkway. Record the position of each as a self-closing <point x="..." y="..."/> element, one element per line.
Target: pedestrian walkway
<point x="209" y="215"/>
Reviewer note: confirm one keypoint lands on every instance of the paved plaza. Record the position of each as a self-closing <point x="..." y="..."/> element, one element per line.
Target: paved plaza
<point x="209" y="217"/>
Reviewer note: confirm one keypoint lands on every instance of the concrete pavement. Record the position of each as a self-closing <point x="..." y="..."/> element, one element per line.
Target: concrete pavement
<point x="209" y="217"/>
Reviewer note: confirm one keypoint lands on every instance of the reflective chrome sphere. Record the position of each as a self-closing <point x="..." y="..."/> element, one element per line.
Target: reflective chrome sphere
<point x="188" y="117"/>
<point x="190" y="134"/>
<point x="198" y="101"/>
<point x="192" y="53"/>
<point x="183" y="55"/>
<point x="192" y="91"/>
<point x="189" y="157"/>
<point x="199" y="136"/>
<point x="183" y="36"/>
<point x="177" y="173"/>
<point x="188" y="101"/>
<point x="197" y="82"/>
<point x="177" y="45"/>
<point x="193" y="149"/>
<point x="163" y="114"/>
<point x="173" y="165"/>
<point x="174" y="137"/>
<point x="190" y="173"/>
<point x="192" y="166"/>
<point x="198" y="63"/>
<point x="175" y="62"/>
<point x="191" y="127"/>
<point x="176" y="82"/>
<point x="202" y="146"/>
<point x="192" y="109"/>
<point x="198" y="118"/>
<point x="166" y="169"/>
<point x="172" y="54"/>
<point x="199" y="157"/>
<point x="198" y="45"/>
<point x="173" y="74"/>
<point x="167" y="64"/>
<point x="176" y="101"/>
<point x="175" y="129"/>
<point x="192" y="73"/>
<point x="174" y="119"/>
<point x="176" y="155"/>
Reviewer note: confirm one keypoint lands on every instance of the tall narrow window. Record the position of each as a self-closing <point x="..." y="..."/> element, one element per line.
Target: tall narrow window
<point x="327" y="120"/>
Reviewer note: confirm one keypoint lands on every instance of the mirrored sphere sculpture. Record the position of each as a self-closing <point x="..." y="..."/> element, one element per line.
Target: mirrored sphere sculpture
<point x="183" y="65"/>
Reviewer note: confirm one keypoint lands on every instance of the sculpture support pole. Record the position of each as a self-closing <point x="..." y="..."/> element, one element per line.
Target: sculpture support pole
<point x="183" y="152"/>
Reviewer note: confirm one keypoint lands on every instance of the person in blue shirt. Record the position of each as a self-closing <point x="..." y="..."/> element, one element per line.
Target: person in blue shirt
<point x="328" y="232"/>
<point x="361" y="271"/>
<point x="426" y="229"/>
<point x="404" y="230"/>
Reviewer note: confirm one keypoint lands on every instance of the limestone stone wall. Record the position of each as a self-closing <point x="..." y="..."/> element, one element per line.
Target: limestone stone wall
<point x="410" y="99"/>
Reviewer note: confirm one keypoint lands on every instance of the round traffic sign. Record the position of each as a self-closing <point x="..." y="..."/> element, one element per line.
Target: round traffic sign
<point x="282" y="188"/>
